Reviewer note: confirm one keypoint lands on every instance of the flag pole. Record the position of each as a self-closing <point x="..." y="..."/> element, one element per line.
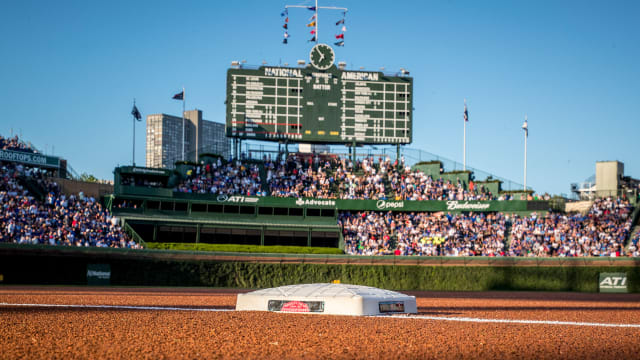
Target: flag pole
<point x="317" y="37"/>
<point x="183" y="100"/>
<point x="133" y="156"/>
<point x="464" y="139"/>
<point x="526" y="135"/>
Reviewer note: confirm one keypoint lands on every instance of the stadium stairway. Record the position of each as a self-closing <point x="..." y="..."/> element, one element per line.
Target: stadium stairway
<point x="635" y="227"/>
<point x="33" y="187"/>
<point x="508" y="236"/>
<point x="263" y="177"/>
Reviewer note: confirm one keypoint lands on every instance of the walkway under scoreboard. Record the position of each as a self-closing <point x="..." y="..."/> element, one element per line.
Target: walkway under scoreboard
<point x="307" y="104"/>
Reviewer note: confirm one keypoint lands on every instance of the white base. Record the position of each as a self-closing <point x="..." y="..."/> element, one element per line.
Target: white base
<point x="331" y="299"/>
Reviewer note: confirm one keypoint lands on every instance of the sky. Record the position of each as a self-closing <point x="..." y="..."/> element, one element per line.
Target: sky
<point x="69" y="72"/>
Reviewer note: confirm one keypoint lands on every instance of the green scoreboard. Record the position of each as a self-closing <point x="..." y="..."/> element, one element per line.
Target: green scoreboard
<point x="319" y="104"/>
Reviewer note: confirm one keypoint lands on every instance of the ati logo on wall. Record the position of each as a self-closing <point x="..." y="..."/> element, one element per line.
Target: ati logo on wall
<point x="237" y="199"/>
<point x="613" y="282"/>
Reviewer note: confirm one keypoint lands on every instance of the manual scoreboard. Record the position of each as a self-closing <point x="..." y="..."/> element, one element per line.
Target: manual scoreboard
<point x="319" y="104"/>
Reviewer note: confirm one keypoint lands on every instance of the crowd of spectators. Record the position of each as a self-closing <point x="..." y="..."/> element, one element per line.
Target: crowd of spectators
<point x="416" y="185"/>
<point x="324" y="176"/>
<point x="601" y="232"/>
<point x="15" y="144"/>
<point x="422" y="233"/>
<point x="231" y="178"/>
<point x="73" y="220"/>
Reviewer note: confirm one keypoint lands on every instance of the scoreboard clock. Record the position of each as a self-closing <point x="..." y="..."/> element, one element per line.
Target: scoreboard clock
<point x="322" y="56"/>
<point x="319" y="103"/>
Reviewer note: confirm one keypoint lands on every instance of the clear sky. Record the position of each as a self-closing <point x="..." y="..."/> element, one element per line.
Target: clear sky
<point x="69" y="71"/>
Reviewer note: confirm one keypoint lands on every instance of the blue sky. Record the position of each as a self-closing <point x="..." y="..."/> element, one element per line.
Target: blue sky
<point x="70" y="70"/>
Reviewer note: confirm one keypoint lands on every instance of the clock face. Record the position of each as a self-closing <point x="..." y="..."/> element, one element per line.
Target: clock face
<point x="322" y="56"/>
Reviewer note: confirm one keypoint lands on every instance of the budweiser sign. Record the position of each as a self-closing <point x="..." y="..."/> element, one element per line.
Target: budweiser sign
<point x="459" y="205"/>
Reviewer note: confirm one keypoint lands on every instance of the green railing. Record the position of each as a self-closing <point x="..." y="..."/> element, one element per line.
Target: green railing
<point x="134" y="235"/>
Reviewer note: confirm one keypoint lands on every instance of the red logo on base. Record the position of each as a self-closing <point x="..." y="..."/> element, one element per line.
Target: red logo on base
<point x="295" y="306"/>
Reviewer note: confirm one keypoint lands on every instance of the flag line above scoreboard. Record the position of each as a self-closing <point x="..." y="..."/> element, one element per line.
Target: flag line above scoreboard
<point x="314" y="21"/>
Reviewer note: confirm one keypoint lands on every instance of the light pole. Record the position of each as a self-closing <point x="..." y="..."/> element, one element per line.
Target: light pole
<point x="525" y="127"/>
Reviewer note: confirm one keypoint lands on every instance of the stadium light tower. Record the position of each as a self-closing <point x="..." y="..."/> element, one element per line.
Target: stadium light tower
<point x="525" y="127"/>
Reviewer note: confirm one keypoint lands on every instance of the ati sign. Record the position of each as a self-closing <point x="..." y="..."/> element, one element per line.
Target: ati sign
<point x="237" y="199"/>
<point x="613" y="282"/>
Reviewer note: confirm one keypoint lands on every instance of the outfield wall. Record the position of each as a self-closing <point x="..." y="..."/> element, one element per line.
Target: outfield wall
<point x="47" y="265"/>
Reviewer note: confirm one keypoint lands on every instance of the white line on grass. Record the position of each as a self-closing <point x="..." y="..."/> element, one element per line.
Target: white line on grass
<point x="423" y="317"/>
<point x="117" y="307"/>
<point x="511" y="321"/>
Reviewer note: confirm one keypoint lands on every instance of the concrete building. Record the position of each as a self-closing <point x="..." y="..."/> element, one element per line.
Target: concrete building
<point x="164" y="145"/>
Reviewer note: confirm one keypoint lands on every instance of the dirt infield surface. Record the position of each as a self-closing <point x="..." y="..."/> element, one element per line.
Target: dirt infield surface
<point x="156" y="323"/>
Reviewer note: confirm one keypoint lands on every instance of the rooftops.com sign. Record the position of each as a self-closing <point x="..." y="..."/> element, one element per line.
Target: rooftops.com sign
<point x="29" y="158"/>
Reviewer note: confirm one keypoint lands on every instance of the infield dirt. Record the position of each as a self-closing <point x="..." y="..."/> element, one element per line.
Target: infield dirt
<point x="58" y="332"/>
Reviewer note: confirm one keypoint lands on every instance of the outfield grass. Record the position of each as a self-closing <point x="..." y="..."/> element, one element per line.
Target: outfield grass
<point x="243" y="248"/>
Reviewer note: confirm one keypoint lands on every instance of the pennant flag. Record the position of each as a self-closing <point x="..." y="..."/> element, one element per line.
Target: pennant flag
<point x="313" y="31"/>
<point x="312" y="17"/>
<point x="286" y="20"/>
<point x="286" y="34"/>
<point x="340" y="22"/>
<point x="525" y="127"/>
<point x="179" y="96"/>
<point x="312" y="39"/>
<point x="339" y="43"/>
<point x="344" y="29"/>
<point x="285" y="26"/>
<point x="341" y="36"/>
<point x="466" y="113"/>
<point x="284" y="41"/>
<point x="312" y="8"/>
<point x="311" y="24"/>
<point x="136" y="113"/>
<point x="284" y="13"/>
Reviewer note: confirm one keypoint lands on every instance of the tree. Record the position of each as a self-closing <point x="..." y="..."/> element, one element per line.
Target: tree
<point x="88" y="178"/>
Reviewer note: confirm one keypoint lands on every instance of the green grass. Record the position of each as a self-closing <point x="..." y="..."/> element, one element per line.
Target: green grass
<point x="243" y="248"/>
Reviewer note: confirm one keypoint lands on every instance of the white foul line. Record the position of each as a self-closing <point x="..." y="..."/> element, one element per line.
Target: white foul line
<point x="408" y="316"/>
<point x="117" y="307"/>
<point x="510" y="321"/>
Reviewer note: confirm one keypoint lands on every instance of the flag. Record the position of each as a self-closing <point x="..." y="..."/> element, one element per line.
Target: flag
<point x="313" y="31"/>
<point x="179" y="96"/>
<point x="466" y="113"/>
<point x="339" y="43"/>
<point x="311" y="24"/>
<point x="284" y="13"/>
<point x="285" y="26"/>
<point x="135" y="112"/>
<point x="312" y="17"/>
<point x="286" y="34"/>
<point x="341" y="36"/>
<point x="312" y="39"/>
<point x="286" y="20"/>
<point x="340" y="22"/>
<point x="284" y="41"/>
<point x="344" y="29"/>
<point x="525" y="127"/>
<point x="312" y="8"/>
